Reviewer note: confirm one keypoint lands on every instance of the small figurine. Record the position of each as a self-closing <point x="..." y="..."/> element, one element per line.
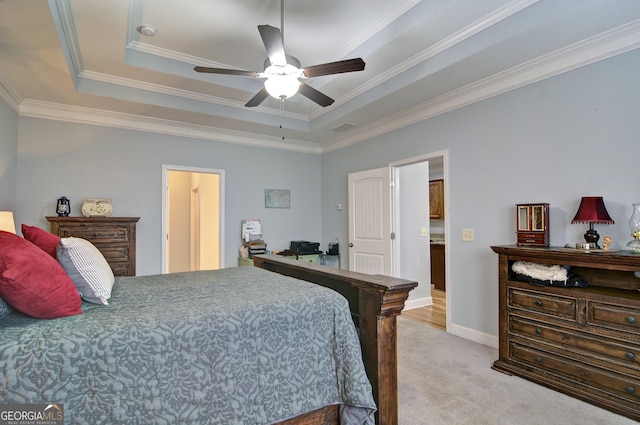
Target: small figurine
<point x="606" y="242"/>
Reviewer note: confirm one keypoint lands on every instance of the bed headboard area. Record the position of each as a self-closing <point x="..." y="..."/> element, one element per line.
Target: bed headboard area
<point x="374" y="301"/>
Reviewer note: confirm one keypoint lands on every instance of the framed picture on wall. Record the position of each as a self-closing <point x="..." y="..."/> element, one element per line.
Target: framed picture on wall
<point x="277" y="198"/>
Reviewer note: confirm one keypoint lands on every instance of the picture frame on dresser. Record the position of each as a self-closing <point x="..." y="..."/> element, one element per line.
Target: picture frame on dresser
<point x="115" y="238"/>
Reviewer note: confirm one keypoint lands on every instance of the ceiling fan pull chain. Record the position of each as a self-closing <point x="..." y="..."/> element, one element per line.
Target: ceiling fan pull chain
<point x="282" y="116"/>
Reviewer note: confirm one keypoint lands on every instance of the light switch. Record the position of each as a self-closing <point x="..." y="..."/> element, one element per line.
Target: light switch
<point x="467" y="235"/>
<point x="423" y="232"/>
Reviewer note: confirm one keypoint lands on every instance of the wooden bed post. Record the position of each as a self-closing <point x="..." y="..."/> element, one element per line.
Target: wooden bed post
<point x="375" y="301"/>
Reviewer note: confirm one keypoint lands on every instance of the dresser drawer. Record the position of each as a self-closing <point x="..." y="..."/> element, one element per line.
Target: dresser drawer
<point x="532" y="239"/>
<point x="614" y="316"/>
<point x="95" y="234"/>
<point x="621" y="386"/>
<point x="593" y="348"/>
<point x="563" y="307"/>
<point x="120" y="268"/>
<point x="114" y="252"/>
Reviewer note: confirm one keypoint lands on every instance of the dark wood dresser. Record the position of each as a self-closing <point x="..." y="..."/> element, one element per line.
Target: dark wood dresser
<point x="115" y="237"/>
<point x="584" y="342"/>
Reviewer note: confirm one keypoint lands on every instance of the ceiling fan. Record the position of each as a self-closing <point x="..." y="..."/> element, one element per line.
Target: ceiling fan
<point x="283" y="73"/>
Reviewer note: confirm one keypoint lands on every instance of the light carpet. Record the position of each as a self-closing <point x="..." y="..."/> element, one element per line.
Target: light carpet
<point x="447" y="380"/>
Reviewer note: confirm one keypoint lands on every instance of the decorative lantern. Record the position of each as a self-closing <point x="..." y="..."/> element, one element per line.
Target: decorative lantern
<point x="63" y="207"/>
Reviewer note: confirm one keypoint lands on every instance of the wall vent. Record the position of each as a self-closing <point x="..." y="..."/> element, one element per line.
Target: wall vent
<point x="343" y="127"/>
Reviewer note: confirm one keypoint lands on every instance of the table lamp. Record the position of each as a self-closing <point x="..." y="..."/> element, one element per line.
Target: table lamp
<point x="6" y="222"/>
<point x="592" y="211"/>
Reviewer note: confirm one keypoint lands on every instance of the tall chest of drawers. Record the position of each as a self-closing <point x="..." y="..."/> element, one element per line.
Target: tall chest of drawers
<point x="584" y="342"/>
<point x="115" y="237"/>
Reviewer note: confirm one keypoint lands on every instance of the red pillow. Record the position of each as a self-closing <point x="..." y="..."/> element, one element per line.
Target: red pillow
<point x="34" y="283"/>
<point x="42" y="239"/>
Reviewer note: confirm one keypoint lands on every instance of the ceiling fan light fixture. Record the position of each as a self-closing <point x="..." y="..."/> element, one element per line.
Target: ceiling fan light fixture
<point x="282" y="86"/>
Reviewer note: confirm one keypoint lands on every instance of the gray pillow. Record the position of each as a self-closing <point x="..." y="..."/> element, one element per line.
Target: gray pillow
<point x="87" y="268"/>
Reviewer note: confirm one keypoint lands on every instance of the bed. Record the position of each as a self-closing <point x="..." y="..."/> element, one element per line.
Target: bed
<point x="266" y="344"/>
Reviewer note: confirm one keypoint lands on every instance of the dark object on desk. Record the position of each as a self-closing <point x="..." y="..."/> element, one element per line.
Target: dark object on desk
<point x="305" y="247"/>
<point x="334" y="249"/>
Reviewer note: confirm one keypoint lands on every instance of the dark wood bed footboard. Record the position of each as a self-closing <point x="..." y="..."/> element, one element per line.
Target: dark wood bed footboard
<point x="375" y="301"/>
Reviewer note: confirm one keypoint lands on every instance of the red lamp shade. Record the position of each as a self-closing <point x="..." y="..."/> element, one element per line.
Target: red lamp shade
<point x="592" y="210"/>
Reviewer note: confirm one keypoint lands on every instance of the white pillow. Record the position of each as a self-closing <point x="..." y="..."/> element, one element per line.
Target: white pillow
<point x="87" y="268"/>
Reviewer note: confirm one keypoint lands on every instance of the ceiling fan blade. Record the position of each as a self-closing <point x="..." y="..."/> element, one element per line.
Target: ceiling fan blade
<point x="225" y="71"/>
<point x="272" y="39"/>
<point x="313" y="94"/>
<point x="258" y="98"/>
<point x="348" y="65"/>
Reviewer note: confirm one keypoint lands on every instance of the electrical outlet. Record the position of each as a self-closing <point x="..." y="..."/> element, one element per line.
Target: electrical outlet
<point x="423" y="232"/>
<point x="467" y="235"/>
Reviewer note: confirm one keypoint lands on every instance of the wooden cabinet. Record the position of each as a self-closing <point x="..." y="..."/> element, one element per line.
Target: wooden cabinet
<point x="532" y="224"/>
<point x="437" y="266"/>
<point x="584" y="342"/>
<point x="436" y="199"/>
<point x="115" y="237"/>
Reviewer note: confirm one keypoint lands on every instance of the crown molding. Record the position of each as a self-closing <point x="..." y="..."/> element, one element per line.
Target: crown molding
<point x="80" y="115"/>
<point x="446" y="43"/>
<point x="591" y="50"/>
<point x="9" y="94"/>
<point x="184" y="94"/>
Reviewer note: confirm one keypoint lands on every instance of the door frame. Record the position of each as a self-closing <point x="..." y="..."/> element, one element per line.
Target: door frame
<point x="444" y="154"/>
<point x="166" y="168"/>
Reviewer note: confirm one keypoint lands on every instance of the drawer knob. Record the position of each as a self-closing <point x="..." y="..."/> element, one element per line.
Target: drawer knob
<point x="538" y="303"/>
<point x="630" y="356"/>
<point x="538" y="359"/>
<point x="631" y="390"/>
<point x="631" y="320"/>
<point x="538" y="331"/>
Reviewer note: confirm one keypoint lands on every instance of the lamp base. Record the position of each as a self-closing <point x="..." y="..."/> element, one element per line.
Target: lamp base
<point x="592" y="236"/>
<point x="634" y="246"/>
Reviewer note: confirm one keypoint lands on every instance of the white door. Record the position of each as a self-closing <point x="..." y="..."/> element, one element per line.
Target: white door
<point x="369" y="221"/>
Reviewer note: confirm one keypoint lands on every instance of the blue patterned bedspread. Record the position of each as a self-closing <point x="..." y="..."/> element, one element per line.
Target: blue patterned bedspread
<point x="234" y="346"/>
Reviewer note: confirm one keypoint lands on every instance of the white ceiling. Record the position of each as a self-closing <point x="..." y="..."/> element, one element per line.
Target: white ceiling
<point x="83" y="61"/>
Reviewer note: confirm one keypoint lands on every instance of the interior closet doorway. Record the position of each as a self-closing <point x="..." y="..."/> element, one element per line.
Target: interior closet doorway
<point x="193" y="223"/>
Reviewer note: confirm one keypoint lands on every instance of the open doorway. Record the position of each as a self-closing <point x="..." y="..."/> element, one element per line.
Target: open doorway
<point x="401" y="249"/>
<point x="192" y="219"/>
<point x="435" y="313"/>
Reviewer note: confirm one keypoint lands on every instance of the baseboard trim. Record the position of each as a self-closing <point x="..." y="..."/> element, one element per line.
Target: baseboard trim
<point x="474" y="335"/>
<point x="420" y="302"/>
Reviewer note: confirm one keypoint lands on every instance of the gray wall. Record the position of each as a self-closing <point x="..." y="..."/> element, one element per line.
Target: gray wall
<point x="83" y="161"/>
<point x="555" y="141"/>
<point x="8" y="156"/>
